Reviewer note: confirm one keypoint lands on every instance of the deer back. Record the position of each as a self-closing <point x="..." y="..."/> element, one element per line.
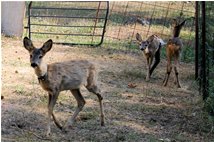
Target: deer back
<point x="68" y="75"/>
<point x="153" y="44"/>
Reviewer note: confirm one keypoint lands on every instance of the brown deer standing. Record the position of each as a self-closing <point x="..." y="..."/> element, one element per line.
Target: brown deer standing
<point x="151" y="49"/>
<point x="173" y="50"/>
<point x="57" y="77"/>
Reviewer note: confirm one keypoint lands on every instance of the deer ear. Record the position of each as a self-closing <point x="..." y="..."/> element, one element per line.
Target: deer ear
<point x="138" y="37"/>
<point x="174" y="22"/>
<point x="47" y="46"/>
<point x="28" y="44"/>
<point x="182" y="23"/>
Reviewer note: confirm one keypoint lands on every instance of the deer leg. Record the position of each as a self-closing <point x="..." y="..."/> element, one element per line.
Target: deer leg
<point x="52" y="98"/>
<point x="149" y="60"/>
<point x="176" y="73"/>
<point x="96" y="91"/>
<point x="169" y="68"/>
<point x="92" y="87"/>
<point x="56" y="122"/>
<point x="157" y="61"/>
<point x="80" y="104"/>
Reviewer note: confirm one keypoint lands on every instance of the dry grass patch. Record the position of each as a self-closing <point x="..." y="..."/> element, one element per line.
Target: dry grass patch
<point x="146" y="112"/>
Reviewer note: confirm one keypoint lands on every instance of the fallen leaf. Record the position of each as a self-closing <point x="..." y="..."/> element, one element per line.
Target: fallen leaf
<point x="132" y="85"/>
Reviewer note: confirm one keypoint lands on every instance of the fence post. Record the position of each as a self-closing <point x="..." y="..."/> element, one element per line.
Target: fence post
<point x="12" y="17"/>
<point x="203" y="47"/>
<point x="196" y="39"/>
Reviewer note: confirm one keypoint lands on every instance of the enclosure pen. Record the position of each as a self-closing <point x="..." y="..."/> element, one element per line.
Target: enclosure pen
<point x="120" y="51"/>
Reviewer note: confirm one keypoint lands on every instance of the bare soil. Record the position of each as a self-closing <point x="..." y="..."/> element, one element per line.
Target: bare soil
<point x="135" y="110"/>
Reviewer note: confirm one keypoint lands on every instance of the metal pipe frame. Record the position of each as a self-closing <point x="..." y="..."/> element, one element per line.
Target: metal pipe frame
<point x="105" y="18"/>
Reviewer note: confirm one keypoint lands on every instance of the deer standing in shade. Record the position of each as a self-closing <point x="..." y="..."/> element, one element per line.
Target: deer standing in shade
<point x="173" y="50"/>
<point x="57" y="77"/>
<point x="151" y="49"/>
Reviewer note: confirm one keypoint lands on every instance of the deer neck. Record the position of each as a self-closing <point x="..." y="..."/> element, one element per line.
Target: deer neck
<point x="41" y="70"/>
<point x="176" y="31"/>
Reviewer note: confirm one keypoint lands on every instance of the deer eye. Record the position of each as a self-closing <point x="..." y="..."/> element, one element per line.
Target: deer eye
<point x="40" y="57"/>
<point x="31" y="56"/>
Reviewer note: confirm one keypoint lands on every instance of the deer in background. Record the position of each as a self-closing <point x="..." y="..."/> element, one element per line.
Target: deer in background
<point x="57" y="77"/>
<point x="173" y="50"/>
<point x="151" y="49"/>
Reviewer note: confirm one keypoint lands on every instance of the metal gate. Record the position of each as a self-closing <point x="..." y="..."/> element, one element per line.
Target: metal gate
<point x="72" y="23"/>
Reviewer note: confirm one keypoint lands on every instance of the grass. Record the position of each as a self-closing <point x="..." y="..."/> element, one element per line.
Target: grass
<point x="133" y="74"/>
<point x="20" y="90"/>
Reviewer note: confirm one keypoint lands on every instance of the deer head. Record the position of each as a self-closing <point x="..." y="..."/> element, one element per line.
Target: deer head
<point x="36" y="54"/>
<point x="177" y="27"/>
<point x="143" y="45"/>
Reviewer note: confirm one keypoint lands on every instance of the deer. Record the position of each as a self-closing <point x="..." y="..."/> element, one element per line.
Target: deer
<point x="173" y="50"/>
<point x="60" y="76"/>
<point x="151" y="49"/>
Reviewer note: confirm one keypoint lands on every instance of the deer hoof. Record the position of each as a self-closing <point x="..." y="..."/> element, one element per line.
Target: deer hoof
<point x="48" y="134"/>
<point x="102" y="124"/>
<point x="67" y="128"/>
<point x="147" y="79"/>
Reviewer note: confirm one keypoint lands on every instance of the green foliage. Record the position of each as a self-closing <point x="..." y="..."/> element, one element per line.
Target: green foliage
<point x="20" y="90"/>
<point x="209" y="106"/>
<point x="187" y="54"/>
<point x="209" y="70"/>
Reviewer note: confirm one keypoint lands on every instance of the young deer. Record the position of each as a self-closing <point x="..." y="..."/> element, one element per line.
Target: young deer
<point x="57" y="77"/>
<point x="151" y="48"/>
<point x="173" y="50"/>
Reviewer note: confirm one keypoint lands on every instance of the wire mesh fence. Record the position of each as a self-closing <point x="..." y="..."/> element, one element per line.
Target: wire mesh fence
<point x="128" y="18"/>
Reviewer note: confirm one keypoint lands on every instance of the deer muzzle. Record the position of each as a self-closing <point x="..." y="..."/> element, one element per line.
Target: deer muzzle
<point x="34" y="65"/>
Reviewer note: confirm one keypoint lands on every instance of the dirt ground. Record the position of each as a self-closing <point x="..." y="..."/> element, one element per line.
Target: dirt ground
<point x="146" y="112"/>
